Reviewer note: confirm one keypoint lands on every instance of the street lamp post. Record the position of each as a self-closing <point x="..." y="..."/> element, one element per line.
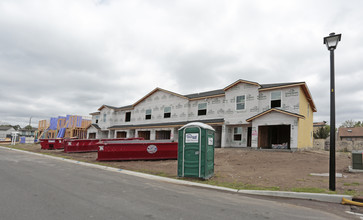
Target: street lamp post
<point x="331" y="42"/>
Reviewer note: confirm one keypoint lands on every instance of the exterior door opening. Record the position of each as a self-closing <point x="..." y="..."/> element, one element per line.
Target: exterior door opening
<point x="249" y="136"/>
<point x="274" y="137"/>
<point x="162" y="135"/>
<point x="92" y="136"/>
<point x="144" y="134"/>
<point x="121" y="134"/>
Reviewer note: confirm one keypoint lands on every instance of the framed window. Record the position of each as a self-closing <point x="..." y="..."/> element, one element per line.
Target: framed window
<point x="275" y="99"/>
<point x="241" y="102"/>
<point x="104" y="117"/>
<point x="148" y="114"/>
<point x="128" y="116"/>
<point x="97" y="117"/>
<point x="167" y="112"/>
<point x="202" y="109"/>
<point x="237" y="134"/>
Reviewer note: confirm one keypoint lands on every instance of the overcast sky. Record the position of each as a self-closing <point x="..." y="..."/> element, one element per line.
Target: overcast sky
<point x="61" y="57"/>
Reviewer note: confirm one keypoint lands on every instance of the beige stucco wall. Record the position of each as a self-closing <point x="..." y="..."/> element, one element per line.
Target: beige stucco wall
<point x="305" y="136"/>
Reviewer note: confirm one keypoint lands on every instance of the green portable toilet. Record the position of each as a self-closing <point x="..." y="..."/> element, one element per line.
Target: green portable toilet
<point x="196" y="151"/>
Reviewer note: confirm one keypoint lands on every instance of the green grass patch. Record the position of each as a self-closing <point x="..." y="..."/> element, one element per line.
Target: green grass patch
<point x="351" y="192"/>
<point x="351" y="184"/>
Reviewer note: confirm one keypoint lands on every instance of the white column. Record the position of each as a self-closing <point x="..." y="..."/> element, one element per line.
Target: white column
<point x="224" y="136"/>
<point x="152" y="134"/>
<point x="254" y="140"/>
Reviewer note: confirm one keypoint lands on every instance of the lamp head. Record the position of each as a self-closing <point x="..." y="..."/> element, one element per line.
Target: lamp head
<point x="332" y="40"/>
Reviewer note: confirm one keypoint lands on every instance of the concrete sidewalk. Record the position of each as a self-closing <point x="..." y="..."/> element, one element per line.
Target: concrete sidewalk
<point x="333" y="198"/>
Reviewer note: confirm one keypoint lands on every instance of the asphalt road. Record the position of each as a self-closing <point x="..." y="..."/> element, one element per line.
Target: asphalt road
<point x="34" y="187"/>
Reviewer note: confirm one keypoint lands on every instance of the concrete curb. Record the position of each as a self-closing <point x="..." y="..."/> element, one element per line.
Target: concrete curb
<point x="333" y="198"/>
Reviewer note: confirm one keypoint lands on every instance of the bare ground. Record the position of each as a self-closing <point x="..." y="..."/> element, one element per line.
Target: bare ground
<point x="250" y="169"/>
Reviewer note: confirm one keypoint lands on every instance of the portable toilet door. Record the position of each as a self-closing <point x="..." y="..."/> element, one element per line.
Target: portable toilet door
<point x="196" y="151"/>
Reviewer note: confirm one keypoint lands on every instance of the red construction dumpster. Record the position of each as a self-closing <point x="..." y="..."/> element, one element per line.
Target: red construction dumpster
<point x="87" y="145"/>
<point x="51" y="144"/>
<point x="137" y="150"/>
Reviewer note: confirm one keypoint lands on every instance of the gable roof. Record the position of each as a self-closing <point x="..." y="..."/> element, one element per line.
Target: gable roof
<point x="155" y="90"/>
<point x="275" y="110"/>
<point x="94" y="125"/>
<point x="5" y="128"/>
<point x="106" y="106"/>
<point x="95" y="113"/>
<point x="350" y="132"/>
<point x="126" y="107"/>
<point x="240" y="81"/>
<point x="279" y="85"/>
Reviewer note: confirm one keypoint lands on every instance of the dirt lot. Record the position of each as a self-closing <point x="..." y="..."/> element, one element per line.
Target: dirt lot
<point x="251" y="169"/>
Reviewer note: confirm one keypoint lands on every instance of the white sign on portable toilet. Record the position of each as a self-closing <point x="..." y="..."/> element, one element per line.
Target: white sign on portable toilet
<point x="192" y="138"/>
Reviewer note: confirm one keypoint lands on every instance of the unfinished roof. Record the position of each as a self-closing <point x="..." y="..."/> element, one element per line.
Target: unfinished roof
<point x="240" y="81"/>
<point x="96" y="126"/>
<point x="219" y="92"/>
<point x="274" y="110"/>
<point x="279" y="85"/>
<point x="155" y="90"/>
<point x="350" y="132"/>
<point x="95" y="113"/>
<point x="127" y="107"/>
<point x="106" y="106"/>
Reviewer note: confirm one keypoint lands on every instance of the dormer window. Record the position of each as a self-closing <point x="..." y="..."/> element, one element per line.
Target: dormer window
<point x="275" y="99"/>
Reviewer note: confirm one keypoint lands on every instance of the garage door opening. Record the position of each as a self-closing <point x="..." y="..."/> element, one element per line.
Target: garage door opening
<point x="274" y="137"/>
<point x="92" y="136"/>
<point x="144" y="134"/>
<point x="162" y="135"/>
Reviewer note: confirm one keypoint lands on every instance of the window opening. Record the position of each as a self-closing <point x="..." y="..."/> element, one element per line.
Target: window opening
<point x="275" y="99"/>
<point x="240" y="102"/>
<point x="167" y="112"/>
<point x="202" y="109"/>
<point x="148" y="114"/>
<point x="128" y="116"/>
<point x="237" y="134"/>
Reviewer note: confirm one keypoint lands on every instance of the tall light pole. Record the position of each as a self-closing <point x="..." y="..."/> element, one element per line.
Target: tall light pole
<point x="331" y="42"/>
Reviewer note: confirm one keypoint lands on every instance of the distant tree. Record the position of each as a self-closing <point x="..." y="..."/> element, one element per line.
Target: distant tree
<point x="16" y="127"/>
<point x="28" y="127"/>
<point x="358" y="124"/>
<point x="322" y="133"/>
<point x="352" y="124"/>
